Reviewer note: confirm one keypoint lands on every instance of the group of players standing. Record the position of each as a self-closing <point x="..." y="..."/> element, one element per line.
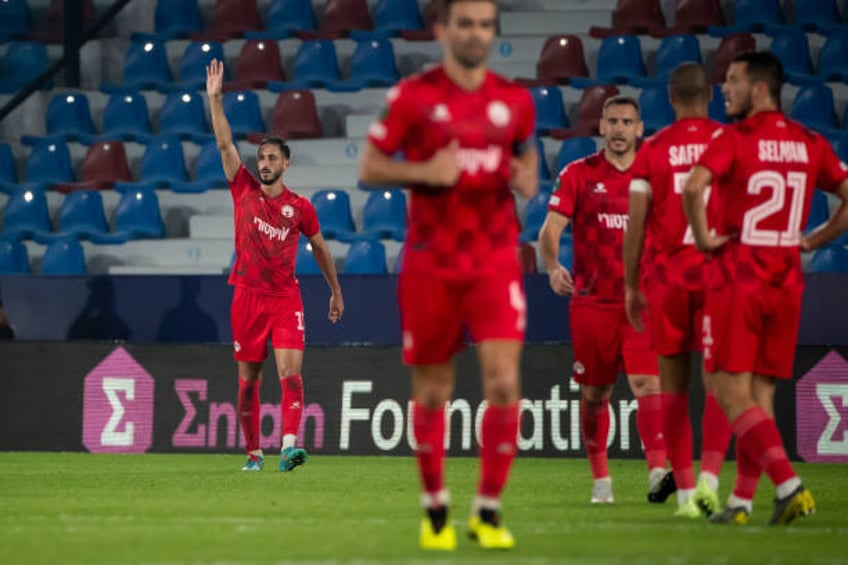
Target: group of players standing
<point x="695" y="237"/>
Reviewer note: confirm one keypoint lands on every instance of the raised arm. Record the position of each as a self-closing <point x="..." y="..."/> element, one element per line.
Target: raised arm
<point x="223" y="136"/>
<point x="328" y="268"/>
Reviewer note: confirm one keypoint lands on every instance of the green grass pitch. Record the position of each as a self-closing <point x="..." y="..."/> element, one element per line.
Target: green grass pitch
<point x="83" y="508"/>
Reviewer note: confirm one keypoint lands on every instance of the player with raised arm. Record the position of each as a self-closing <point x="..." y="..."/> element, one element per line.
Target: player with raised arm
<point x="675" y="295"/>
<point x="269" y="218"/>
<point x="591" y="194"/>
<point x="764" y="169"/>
<point x="467" y="139"/>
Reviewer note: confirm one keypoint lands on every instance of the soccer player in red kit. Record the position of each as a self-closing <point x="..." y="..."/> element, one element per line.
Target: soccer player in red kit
<point x="675" y="293"/>
<point x="764" y="169"/>
<point x="592" y="194"/>
<point x="467" y="138"/>
<point x="269" y="219"/>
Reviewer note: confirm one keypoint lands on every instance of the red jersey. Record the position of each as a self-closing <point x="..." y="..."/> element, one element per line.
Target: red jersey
<point x="593" y="193"/>
<point x="472" y="227"/>
<point x="663" y="164"/>
<point x="267" y="233"/>
<point x="765" y="169"/>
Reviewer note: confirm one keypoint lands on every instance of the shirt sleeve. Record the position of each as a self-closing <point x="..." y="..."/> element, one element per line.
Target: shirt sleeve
<point x="309" y="225"/>
<point x="524" y="138"/>
<point x="564" y="198"/>
<point x="832" y="171"/>
<point x="242" y="182"/>
<point x="640" y="171"/>
<point x="720" y="152"/>
<point x="389" y="132"/>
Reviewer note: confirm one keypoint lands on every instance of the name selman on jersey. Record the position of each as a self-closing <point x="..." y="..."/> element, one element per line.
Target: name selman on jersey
<point x="765" y="169"/>
<point x="593" y="193"/>
<point x="661" y="168"/>
<point x="266" y="235"/>
<point x="471" y="228"/>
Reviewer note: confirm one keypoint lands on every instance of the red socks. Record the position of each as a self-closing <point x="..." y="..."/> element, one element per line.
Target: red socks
<point x="291" y="404"/>
<point x="649" y="424"/>
<point x="759" y="439"/>
<point x="715" y="436"/>
<point x="499" y="438"/>
<point x="428" y="426"/>
<point x="747" y="475"/>
<point x="677" y="430"/>
<point x="248" y="411"/>
<point x="594" y="427"/>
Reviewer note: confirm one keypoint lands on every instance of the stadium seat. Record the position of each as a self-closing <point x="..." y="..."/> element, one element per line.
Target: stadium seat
<point x="790" y="45"/>
<point x="589" y="111"/>
<point x="833" y="64"/>
<point x="431" y="14"/>
<point x="64" y="257"/>
<point x="295" y="115"/>
<point x="840" y="147"/>
<point x="534" y="216"/>
<point x="656" y="110"/>
<point x="544" y="171"/>
<point x="696" y="16"/>
<point x="258" y="63"/>
<point x="25" y="214"/>
<point x="315" y="64"/>
<point x="633" y="16"/>
<point x="136" y="217"/>
<point x="105" y="163"/>
<point x="716" y="109"/>
<point x="125" y="117"/>
<point x="52" y="28"/>
<point x="830" y="259"/>
<point x="343" y="16"/>
<point x="49" y="163"/>
<point x="161" y="165"/>
<point x="243" y="113"/>
<point x="13" y="258"/>
<point x="550" y="112"/>
<point x="209" y="172"/>
<point x="573" y="149"/>
<point x="22" y="63"/>
<point x="176" y="18"/>
<point x="395" y="16"/>
<point x="305" y="263"/>
<point x="527" y="256"/>
<point x="365" y="257"/>
<point x="751" y="16"/>
<point x="195" y="59"/>
<point x="184" y="115"/>
<point x="566" y="251"/>
<point x="373" y="64"/>
<point x="816" y="15"/>
<point x="8" y="174"/>
<point x="814" y="107"/>
<point x="398" y="264"/>
<point x="145" y="68"/>
<point x="619" y="61"/>
<point x="728" y="49"/>
<point x="819" y="210"/>
<point x="15" y="19"/>
<point x="69" y="117"/>
<point x="333" y="209"/>
<point x="673" y="51"/>
<point x="286" y="17"/>
<point x="562" y="58"/>
<point x="231" y="19"/>
<point x="82" y="215"/>
<point x="384" y="215"/>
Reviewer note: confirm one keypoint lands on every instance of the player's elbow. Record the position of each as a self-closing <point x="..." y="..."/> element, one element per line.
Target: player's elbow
<point x="367" y="173"/>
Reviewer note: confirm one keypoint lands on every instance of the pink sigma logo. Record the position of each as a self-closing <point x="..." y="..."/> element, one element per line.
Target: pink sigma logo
<point x="118" y="406"/>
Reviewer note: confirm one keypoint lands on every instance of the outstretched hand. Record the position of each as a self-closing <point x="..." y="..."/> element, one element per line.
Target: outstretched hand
<point x="214" y="78"/>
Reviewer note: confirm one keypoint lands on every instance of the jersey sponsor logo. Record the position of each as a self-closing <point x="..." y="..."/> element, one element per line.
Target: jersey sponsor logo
<point x="688" y="154"/>
<point x="440" y="113"/>
<point x="613" y="221"/>
<point x="498" y="113"/>
<point x="270" y="231"/>
<point x="783" y="151"/>
<point x="472" y="160"/>
<point x="287" y="211"/>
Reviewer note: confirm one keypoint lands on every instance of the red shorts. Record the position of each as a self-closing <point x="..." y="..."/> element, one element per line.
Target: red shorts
<point x="255" y="317"/>
<point x="605" y="342"/>
<point x="675" y="319"/>
<point x="434" y="312"/>
<point x="752" y="329"/>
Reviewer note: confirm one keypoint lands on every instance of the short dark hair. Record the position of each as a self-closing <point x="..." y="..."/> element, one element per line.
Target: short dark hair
<point x="621" y="100"/>
<point x="763" y="66"/>
<point x="689" y="83"/>
<point x="279" y="142"/>
<point x="444" y="7"/>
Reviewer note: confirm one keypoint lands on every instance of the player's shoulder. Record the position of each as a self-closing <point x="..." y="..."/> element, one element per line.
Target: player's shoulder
<point x="581" y="166"/>
<point x="803" y="132"/>
<point x="428" y="79"/>
<point x="504" y="84"/>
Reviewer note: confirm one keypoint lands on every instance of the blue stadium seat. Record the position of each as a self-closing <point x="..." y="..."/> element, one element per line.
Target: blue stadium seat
<point x="384" y="215"/>
<point x="813" y="107"/>
<point x="550" y="112"/>
<point x="833" y="64"/>
<point x="840" y="147"/>
<point x="812" y="15"/>
<point x="305" y="263"/>
<point x="673" y="50"/>
<point x="793" y="50"/>
<point x="572" y="149"/>
<point x="395" y="16"/>
<point x="819" y="211"/>
<point x="13" y="258"/>
<point x="174" y="18"/>
<point x="145" y="67"/>
<point x="333" y="209"/>
<point x="619" y="61"/>
<point x="82" y="215"/>
<point x="184" y="115"/>
<point x="285" y="17"/>
<point x="566" y="251"/>
<point x="373" y="64"/>
<point x="534" y="216"/>
<point x="656" y="110"/>
<point x="830" y="259"/>
<point x="751" y="16"/>
<point x="25" y="214"/>
<point x="137" y="216"/>
<point x="365" y="257"/>
<point x="64" y="257"/>
<point x="69" y="117"/>
<point x="125" y="117"/>
<point x="544" y="170"/>
<point x="195" y="59"/>
<point x="49" y="163"/>
<point x="162" y="165"/>
<point x="209" y="172"/>
<point x="15" y="19"/>
<point x="21" y="64"/>
<point x="243" y="113"/>
<point x="8" y="174"/>
<point x="716" y="109"/>
<point x="316" y="65"/>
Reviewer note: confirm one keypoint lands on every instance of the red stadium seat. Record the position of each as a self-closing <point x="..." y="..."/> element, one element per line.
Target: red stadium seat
<point x="295" y="116"/>
<point x="589" y="111"/>
<point x="694" y="16"/>
<point x="258" y="62"/>
<point x="633" y="17"/>
<point x="341" y="16"/>
<point x="431" y="14"/>
<point x="105" y="163"/>
<point x="231" y="19"/>
<point x="562" y="57"/>
<point x="52" y="30"/>
<point x="730" y="47"/>
<point x="528" y="258"/>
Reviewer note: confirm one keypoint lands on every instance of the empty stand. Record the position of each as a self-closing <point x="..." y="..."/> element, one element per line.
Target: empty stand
<point x="64" y="257"/>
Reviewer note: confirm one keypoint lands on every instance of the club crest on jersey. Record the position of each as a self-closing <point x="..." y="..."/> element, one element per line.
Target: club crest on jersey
<point x="579" y="369"/>
<point x="599" y="188"/>
<point x="287" y="211"/>
<point x="237" y="346"/>
<point x="440" y="113"/>
<point x="498" y="113"/>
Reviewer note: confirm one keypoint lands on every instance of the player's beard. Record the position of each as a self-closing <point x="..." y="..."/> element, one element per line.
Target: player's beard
<point x="272" y="180"/>
<point x="468" y="57"/>
<point x="744" y="109"/>
<point x="620" y="146"/>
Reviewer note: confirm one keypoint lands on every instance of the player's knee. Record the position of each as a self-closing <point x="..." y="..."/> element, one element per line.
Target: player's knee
<point x="596" y="394"/>
<point x="500" y="391"/>
<point x="432" y="397"/>
<point x="287" y="371"/>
